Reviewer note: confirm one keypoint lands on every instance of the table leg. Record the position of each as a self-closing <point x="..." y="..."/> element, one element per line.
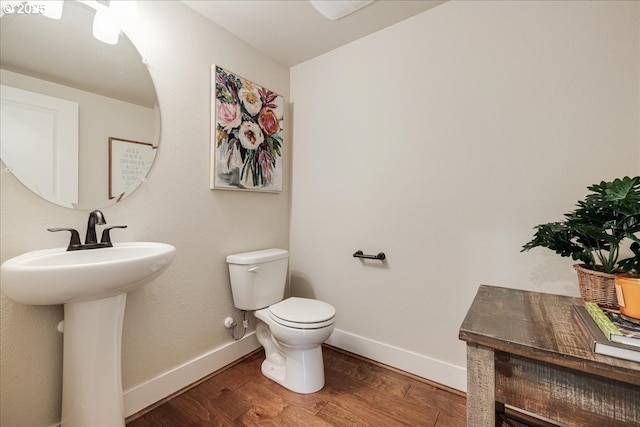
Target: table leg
<point x="481" y="381"/>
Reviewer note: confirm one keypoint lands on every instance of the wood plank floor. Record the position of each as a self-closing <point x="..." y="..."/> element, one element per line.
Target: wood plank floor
<point x="356" y="393"/>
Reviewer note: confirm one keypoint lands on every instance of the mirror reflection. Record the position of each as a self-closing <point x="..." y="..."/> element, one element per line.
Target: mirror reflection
<point x="80" y="118"/>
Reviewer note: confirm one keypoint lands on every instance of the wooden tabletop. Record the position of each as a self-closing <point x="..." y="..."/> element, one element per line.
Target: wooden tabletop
<point x="538" y="326"/>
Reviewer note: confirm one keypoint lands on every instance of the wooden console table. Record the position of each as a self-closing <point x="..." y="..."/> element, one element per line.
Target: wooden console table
<point x="525" y="349"/>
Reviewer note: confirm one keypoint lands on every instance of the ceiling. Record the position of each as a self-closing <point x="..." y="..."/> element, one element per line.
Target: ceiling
<point x="293" y="31"/>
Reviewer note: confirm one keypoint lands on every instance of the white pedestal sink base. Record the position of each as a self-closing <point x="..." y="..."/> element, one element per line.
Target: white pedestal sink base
<point x="92" y="285"/>
<point x="92" y="370"/>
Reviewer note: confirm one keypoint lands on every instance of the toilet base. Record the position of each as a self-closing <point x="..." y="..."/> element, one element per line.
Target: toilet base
<point x="301" y="371"/>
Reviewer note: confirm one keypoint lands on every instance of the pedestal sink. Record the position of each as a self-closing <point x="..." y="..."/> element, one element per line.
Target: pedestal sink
<point x="92" y="285"/>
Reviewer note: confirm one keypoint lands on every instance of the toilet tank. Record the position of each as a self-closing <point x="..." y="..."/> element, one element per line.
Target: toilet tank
<point x="258" y="278"/>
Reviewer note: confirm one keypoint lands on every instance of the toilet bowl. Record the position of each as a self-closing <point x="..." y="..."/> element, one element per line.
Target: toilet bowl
<point x="291" y="330"/>
<point x="293" y="345"/>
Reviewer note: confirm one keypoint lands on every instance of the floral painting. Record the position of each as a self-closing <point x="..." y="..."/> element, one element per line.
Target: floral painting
<point x="246" y="134"/>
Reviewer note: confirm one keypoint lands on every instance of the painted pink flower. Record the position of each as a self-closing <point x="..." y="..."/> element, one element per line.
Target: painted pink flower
<point x="268" y="122"/>
<point x="265" y="164"/>
<point x="250" y="135"/>
<point x="229" y="116"/>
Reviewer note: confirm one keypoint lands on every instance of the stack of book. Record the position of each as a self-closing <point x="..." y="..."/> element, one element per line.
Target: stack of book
<point x="609" y="332"/>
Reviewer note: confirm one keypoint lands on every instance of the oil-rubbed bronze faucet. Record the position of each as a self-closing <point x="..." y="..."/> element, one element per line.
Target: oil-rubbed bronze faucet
<point x="96" y="217"/>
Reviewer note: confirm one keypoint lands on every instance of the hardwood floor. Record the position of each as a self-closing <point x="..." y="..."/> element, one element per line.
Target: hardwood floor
<point x="356" y="393"/>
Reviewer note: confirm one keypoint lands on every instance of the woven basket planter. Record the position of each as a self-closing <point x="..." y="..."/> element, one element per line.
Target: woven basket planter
<point x="598" y="287"/>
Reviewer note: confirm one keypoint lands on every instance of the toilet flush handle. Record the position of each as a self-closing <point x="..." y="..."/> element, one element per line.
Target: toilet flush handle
<point x="253" y="269"/>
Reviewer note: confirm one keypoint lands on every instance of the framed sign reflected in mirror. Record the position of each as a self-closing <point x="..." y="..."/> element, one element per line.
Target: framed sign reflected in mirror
<point x="129" y="162"/>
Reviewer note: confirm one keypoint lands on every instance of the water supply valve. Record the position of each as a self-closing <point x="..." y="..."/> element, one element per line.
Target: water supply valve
<point x="229" y="323"/>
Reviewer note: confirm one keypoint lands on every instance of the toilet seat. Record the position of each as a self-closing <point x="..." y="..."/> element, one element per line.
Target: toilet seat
<point x="302" y="313"/>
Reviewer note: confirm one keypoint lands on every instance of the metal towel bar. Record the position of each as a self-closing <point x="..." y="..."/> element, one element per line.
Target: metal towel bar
<point x="359" y="254"/>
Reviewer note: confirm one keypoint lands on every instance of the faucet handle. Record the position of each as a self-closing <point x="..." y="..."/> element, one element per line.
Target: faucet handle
<point x="106" y="237"/>
<point x="74" y="243"/>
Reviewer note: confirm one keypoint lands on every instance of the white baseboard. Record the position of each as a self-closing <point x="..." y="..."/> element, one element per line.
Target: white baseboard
<point x="158" y="388"/>
<point x="432" y="369"/>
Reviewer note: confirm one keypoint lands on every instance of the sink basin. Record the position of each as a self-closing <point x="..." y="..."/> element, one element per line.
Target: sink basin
<point x="55" y="276"/>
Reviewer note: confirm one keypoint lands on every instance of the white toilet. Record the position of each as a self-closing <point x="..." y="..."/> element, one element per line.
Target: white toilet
<point x="291" y="330"/>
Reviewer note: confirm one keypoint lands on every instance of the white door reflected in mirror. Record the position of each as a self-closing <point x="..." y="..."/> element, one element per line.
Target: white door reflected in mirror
<point x="39" y="135"/>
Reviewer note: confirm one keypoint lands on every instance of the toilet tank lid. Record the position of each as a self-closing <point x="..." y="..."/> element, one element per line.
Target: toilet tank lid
<point x="257" y="257"/>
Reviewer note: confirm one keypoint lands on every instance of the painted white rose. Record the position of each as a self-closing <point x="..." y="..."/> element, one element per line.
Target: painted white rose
<point x="250" y="135"/>
<point x="250" y="99"/>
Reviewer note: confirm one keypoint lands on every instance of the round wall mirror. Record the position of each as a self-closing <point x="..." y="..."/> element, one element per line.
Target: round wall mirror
<point x="80" y="117"/>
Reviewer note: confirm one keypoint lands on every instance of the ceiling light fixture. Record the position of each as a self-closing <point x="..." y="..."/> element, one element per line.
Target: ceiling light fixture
<point x="105" y="28"/>
<point x="337" y="9"/>
<point x="52" y="9"/>
<point x="111" y="18"/>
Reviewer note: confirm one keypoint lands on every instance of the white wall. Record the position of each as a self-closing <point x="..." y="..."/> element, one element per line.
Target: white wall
<point x="442" y="141"/>
<point x="178" y="317"/>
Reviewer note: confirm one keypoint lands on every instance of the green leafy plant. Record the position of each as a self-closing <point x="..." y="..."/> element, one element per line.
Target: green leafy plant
<point x="594" y="231"/>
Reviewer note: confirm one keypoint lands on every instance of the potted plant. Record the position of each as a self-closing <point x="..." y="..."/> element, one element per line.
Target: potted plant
<point x="593" y="234"/>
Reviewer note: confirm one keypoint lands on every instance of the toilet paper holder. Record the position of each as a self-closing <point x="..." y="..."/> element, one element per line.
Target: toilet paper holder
<point x="380" y="256"/>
